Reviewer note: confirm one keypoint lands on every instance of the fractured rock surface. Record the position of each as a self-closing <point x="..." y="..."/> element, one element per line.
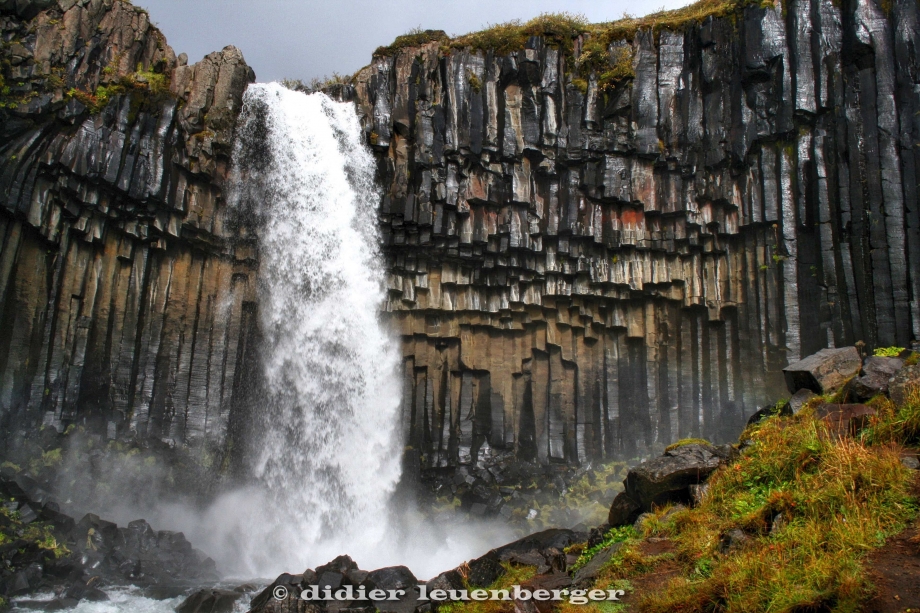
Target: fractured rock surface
<point x="127" y="295"/>
<point x="579" y="273"/>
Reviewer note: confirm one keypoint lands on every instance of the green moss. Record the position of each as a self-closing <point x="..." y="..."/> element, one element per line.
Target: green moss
<point x="888" y="352"/>
<point x="475" y="82"/>
<point x="148" y="90"/>
<point x="414" y="38"/>
<point x="687" y="441"/>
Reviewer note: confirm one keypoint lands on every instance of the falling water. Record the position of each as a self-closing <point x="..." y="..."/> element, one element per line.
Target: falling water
<point x="329" y="456"/>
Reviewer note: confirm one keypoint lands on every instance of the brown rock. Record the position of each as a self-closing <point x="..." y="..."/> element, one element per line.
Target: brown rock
<point x="845" y="419"/>
<point x="823" y="372"/>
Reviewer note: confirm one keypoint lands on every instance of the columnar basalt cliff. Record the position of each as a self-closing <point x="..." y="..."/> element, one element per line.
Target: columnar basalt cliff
<point x="584" y="266"/>
<point x="587" y="259"/>
<point x="127" y="296"/>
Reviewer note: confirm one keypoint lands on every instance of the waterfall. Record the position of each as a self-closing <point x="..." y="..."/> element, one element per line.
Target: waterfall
<point x="329" y="456"/>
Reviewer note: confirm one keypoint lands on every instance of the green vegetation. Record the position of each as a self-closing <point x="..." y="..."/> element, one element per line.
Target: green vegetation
<point x="811" y="506"/>
<point x="38" y="535"/>
<point x="557" y="30"/>
<point x="888" y="352"/>
<point x="413" y="38"/>
<point x="475" y="82"/>
<point x="687" y="441"/>
<point x="614" y="535"/>
<point x="514" y="575"/>
<point x="315" y="84"/>
<point x="148" y="90"/>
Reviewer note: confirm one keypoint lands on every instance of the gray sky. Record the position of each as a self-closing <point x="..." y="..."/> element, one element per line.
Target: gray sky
<point x="303" y="39"/>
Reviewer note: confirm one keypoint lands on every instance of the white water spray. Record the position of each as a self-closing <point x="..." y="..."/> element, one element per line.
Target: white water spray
<point x="328" y="443"/>
<point x="330" y="454"/>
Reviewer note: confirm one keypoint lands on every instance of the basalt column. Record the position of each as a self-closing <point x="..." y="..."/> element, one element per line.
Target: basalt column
<point x="581" y="272"/>
<point x="127" y="292"/>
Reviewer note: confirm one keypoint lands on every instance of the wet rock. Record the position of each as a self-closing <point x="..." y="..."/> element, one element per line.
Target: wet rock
<point x="904" y="383"/>
<point x="875" y="376"/>
<point x="911" y="462"/>
<point x="210" y="601"/>
<point x="556" y="538"/>
<point x="823" y="372"/>
<point x="485" y="570"/>
<point x="341" y="565"/>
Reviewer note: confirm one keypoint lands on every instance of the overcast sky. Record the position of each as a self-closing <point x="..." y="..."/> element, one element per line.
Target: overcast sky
<point x="303" y="39"/>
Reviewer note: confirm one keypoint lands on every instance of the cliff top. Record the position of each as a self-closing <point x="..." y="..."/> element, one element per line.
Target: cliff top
<point x="562" y="29"/>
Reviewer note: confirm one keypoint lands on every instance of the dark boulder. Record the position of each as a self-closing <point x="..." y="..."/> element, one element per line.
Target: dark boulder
<point x="392" y="578"/>
<point x="785" y="409"/>
<point x="874" y="377"/>
<point x="668" y="477"/>
<point x="904" y="383"/>
<point x="210" y="601"/>
<point x="823" y="372"/>
<point x="341" y="565"/>
<point x="485" y="570"/>
<point x="558" y="538"/>
<point x="732" y="540"/>
<point x="624" y="510"/>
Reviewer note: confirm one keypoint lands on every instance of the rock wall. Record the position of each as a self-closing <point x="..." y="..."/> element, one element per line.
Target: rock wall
<point x="576" y="271"/>
<point x="127" y="294"/>
<point x="580" y="272"/>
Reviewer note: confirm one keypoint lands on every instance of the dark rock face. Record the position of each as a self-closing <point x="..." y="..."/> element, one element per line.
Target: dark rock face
<point x="577" y="273"/>
<point x="126" y="292"/>
<point x="585" y="274"/>
<point x="100" y="552"/>
<point x="210" y="601"/>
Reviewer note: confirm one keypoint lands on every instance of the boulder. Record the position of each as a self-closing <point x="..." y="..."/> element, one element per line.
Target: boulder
<point x="874" y="377"/>
<point x="844" y="419"/>
<point x="905" y="382"/>
<point x="210" y="601"/>
<point x="392" y="578"/>
<point x="558" y="538"/>
<point x="341" y="565"/>
<point x="668" y="477"/>
<point x="624" y="510"/>
<point x="485" y="570"/>
<point x="823" y="372"/>
<point x="911" y="462"/>
<point x="798" y="400"/>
